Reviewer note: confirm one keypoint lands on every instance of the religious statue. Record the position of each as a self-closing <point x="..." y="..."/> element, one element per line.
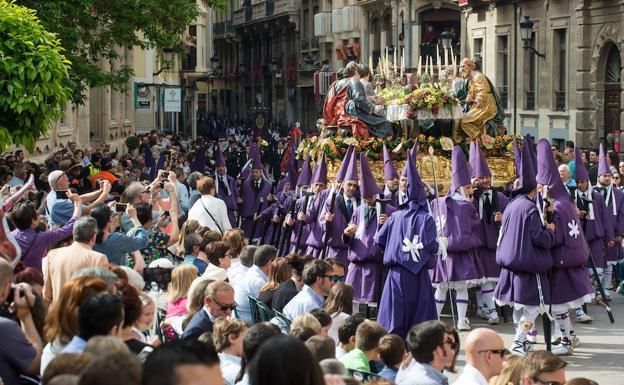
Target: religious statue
<point x="482" y="105"/>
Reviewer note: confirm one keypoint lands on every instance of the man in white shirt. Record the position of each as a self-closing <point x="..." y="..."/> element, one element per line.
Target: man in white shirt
<point x="317" y="283"/>
<point x="209" y="211"/>
<point x="253" y="280"/>
<point x="485" y="351"/>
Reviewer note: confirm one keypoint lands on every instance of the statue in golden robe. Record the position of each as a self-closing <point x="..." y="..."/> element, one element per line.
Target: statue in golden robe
<point x="483" y="108"/>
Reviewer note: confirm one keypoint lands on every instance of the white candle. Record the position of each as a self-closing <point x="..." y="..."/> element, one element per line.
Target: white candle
<point x="445" y="58"/>
<point x="402" y="63"/>
<point x="370" y="65"/>
<point x="438" y="60"/>
<point x="394" y="59"/>
<point x="426" y="63"/>
<point x="431" y="67"/>
<point x="419" y="65"/>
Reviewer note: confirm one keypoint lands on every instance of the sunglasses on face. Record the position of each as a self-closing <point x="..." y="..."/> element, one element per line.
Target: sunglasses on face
<point x="226" y="307"/>
<point x="452" y="344"/>
<point x="500" y="352"/>
<point x="336" y="278"/>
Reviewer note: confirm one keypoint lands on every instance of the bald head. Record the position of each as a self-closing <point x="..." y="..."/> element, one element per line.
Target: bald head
<point x="484" y="351"/>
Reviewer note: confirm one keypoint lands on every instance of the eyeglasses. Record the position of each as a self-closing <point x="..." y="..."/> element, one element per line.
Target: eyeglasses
<point x="226" y="307"/>
<point x="500" y="352"/>
<point x="452" y="344"/>
<point x="537" y="380"/>
<point x="336" y="278"/>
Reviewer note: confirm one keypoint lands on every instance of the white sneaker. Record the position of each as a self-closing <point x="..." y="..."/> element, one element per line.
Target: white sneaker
<point x="482" y="313"/>
<point x="521" y="349"/>
<point x="583" y="317"/>
<point x="565" y="348"/>
<point x="576" y="342"/>
<point x="463" y="325"/>
<point x="492" y="317"/>
<point x="532" y="336"/>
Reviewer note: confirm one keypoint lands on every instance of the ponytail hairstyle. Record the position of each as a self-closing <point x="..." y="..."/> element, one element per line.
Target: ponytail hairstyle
<point x="102" y="215"/>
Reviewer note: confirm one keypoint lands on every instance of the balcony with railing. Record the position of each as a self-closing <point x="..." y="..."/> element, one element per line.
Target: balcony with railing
<point x="560" y="101"/>
<point x="323" y="24"/>
<point x="322" y="82"/>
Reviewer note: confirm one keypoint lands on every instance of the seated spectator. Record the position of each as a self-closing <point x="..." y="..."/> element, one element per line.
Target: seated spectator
<point x="321" y="347"/>
<point x="279" y="273"/>
<point x="182" y="362"/>
<point x="132" y="311"/>
<point x="60" y="201"/>
<point x="235" y="239"/>
<point x="134" y="277"/>
<point x="367" y="338"/>
<point x="62" y="321"/>
<point x="20" y="350"/>
<point x="289" y="289"/>
<point x="253" y="280"/>
<point x="543" y="367"/>
<point x="511" y="371"/>
<point x="115" y="245"/>
<point x="324" y="319"/>
<point x="192" y="250"/>
<point x="227" y="336"/>
<point x="256" y="336"/>
<point x="63" y="262"/>
<point x="35" y="245"/>
<point x="196" y="295"/>
<point x="581" y="381"/>
<point x="485" y="352"/>
<point x="434" y="348"/>
<point x="284" y="360"/>
<point x="66" y="363"/>
<point x="189" y="227"/>
<point x="181" y="278"/>
<point x="346" y="334"/>
<point x="307" y="320"/>
<point x="332" y="366"/>
<point x="316" y="286"/>
<point x="112" y="368"/>
<point x="99" y="345"/>
<point x="303" y="333"/>
<point x="246" y="257"/>
<point x="100" y="315"/>
<point x="145" y="322"/>
<point x="210" y="211"/>
<point x="218" y="302"/>
<point x="339" y="305"/>
<point x="220" y="260"/>
<point x="391" y="352"/>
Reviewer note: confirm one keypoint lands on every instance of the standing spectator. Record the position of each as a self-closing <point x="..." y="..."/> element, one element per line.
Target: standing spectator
<point x="367" y="338"/>
<point x="246" y="258"/>
<point x="181" y="278"/>
<point x="391" y="353"/>
<point x="34" y="245"/>
<point x="592" y="166"/>
<point x="253" y="280"/>
<point x="226" y="188"/>
<point x="101" y="315"/>
<point x="218" y="302"/>
<point x="485" y="352"/>
<point x="569" y="157"/>
<point x="159" y="242"/>
<point x="20" y="175"/>
<point x="182" y="190"/>
<point x="227" y="336"/>
<point x="20" y="350"/>
<point x="316" y="286"/>
<point x="182" y="362"/>
<point x="433" y="347"/>
<point x="543" y="367"/>
<point x="63" y="262"/>
<point x="339" y="305"/>
<point x="209" y="211"/>
<point x="115" y="245"/>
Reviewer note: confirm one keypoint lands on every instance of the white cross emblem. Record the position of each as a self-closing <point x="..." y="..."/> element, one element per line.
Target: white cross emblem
<point x="413" y="247"/>
<point x="574" y="229"/>
<point x="440" y="223"/>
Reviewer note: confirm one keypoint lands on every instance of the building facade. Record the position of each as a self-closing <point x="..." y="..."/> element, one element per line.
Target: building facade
<point x="569" y="87"/>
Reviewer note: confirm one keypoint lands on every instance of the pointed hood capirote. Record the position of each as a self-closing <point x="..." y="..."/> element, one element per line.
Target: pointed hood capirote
<point x="351" y="172"/>
<point x="517" y="157"/>
<point x="526" y="172"/>
<point x="368" y="186"/>
<point x="478" y="164"/>
<point x="603" y="165"/>
<point x="219" y="160"/>
<point x="342" y="170"/>
<point x="415" y="186"/>
<point x="320" y="171"/>
<point x="581" y="170"/>
<point x="547" y="170"/>
<point x="390" y="171"/>
<point x="532" y="154"/>
<point x="460" y="170"/>
<point x="306" y="173"/>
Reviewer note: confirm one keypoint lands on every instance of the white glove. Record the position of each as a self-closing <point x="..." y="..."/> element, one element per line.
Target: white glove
<point x="442" y="246"/>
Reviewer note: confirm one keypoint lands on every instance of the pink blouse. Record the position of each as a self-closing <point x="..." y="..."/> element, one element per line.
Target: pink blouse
<point x="177" y="308"/>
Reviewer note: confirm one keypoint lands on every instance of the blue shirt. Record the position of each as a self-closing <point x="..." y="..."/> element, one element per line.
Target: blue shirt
<point x="420" y="374"/>
<point x="388" y="373"/>
<point x="250" y="286"/>
<point x="118" y="244"/>
<point x="198" y="263"/>
<point x="59" y="211"/>
<point x="76" y="345"/>
<point x="303" y="302"/>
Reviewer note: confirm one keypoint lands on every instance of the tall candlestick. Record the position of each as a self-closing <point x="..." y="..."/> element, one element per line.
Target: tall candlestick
<point x="431" y="67"/>
<point x="438" y="60"/>
<point x="453" y="60"/>
<point x="426" y="63"/>
<point x="402" y="63"/>
<point x="394" y="60"/>
<point x="370" y="65"/>
<point x="419" y="65"/>
<point x="445" y="58"/>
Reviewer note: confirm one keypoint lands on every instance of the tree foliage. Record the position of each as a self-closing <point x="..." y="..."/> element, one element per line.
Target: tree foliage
<point x="33" y="77"/>
<point x="94" y="30"/>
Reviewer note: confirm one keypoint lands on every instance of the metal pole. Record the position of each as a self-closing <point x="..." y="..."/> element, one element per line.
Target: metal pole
<point x="515" y="82"/>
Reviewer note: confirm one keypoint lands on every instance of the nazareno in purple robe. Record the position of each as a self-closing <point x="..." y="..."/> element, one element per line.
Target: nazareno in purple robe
<point x="316" y="235"/>
<point x="336" y="248"/>
<point x="307" y="225"/>
<point x="616" y="221"/>
<point x="229" y="199"/>
<point x="407" y="297"/>
<point x="461" y="222"/>
<point x="365" y="272"/>
<point x="251" y="201"/>
<point x="597" y="230"/>
<point x="524" y="254"/>
<point x="488" y="234"/>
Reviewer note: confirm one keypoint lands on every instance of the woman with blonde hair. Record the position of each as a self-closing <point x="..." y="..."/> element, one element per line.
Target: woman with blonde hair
<point x="189" y="227"/>
<point x="279" y="273"/>
<point x="181" y="278"/>
<point x="61" y="324"/>
<point x="339" y="305"/>
<point x="307" y="320"/>
<point x="227" y="337"/>
<point x="510" y="373"/>
<point x="196" y="296"/>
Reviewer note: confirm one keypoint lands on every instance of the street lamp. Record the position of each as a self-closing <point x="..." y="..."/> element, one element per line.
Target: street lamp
<point x="447" y="39"/>
<point x="168" y="57"/>
<point x="526" y="33"/>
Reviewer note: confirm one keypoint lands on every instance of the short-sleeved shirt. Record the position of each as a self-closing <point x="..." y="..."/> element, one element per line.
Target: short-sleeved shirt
<point x="156" y="247"/>
<point x="16" y="353"/>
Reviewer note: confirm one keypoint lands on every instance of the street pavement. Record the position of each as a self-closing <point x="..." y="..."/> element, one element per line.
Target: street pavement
<point x="599" y="357"/>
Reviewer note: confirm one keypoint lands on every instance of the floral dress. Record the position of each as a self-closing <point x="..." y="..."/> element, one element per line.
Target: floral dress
<point x="156" y="247"/>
